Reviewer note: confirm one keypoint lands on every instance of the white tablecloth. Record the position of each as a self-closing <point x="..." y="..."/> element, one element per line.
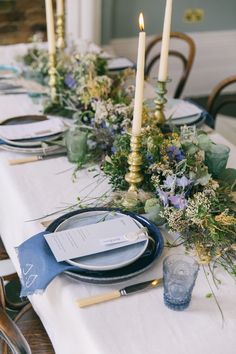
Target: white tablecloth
<point x="132" y="325"/>
<point x="10" y="54"/>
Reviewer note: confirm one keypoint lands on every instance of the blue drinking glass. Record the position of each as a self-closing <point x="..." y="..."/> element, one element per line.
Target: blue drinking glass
<point x="180" y="273"/>
<point x="216" y="159"/>
<point x="76" y="144"/>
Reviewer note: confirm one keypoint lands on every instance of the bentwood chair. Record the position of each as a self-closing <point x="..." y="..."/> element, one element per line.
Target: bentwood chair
<point x="153" y="56"/>
<point x="4" y="257"/>
<point x="217" y="101"/>
<point x="25" y="334"/>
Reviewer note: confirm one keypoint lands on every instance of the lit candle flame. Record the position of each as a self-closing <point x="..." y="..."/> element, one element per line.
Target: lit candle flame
<point x="141" y="22"/>
<point x="154" y="282"/>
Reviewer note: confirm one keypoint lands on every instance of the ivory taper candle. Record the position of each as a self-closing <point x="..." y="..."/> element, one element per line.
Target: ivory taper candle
<point x="163" y="68"/>
<point x="60" y="7"/>
<point x="50" y="27"/>
<point x="139" y="85"/>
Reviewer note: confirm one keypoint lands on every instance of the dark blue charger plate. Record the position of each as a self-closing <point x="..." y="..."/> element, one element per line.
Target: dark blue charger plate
<point x="152" y="253"/>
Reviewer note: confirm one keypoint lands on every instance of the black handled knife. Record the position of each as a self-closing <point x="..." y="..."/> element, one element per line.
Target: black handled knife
<point x="151" y="284"/>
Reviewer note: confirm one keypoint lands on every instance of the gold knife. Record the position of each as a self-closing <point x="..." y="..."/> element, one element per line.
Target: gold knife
<point x="151" y="284"/>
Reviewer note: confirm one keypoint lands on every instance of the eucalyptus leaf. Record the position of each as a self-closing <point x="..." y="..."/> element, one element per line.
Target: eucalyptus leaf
<point x="204" y="142"/>
<point x="204" y="179"/>
<point x="152" y="209"/>
<point x="190" y="148"/>
<point x="150" y="203"/>
<point x="228" y="176"/>
<point x="154" y="217"/>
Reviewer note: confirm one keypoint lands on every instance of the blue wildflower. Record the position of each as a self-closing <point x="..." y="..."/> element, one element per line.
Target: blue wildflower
<point x="183" y="182"/>
<point x="169" y="182"/>
<point x="174" y="153"/>
<point x="103" y="125"/>
<point x="113" y="149"/>
<point x="70" y="81"/>
<point x="163" y="197"/>
<point x="178" y="201"/>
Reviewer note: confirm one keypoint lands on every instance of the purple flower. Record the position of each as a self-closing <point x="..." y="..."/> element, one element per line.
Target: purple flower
<point x="174" y="153"/>
<point x="178" y="201"/>
<point x="70" y="81"/>
<point x="163" y="197"/>
<point x="169" y="182"/>
<point x="183" y="182"/>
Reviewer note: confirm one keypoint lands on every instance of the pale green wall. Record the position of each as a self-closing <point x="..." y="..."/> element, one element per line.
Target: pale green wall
<point x="120" y="17"/>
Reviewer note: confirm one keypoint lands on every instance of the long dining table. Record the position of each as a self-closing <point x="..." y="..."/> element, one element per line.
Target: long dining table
<point x="138" y="324"/>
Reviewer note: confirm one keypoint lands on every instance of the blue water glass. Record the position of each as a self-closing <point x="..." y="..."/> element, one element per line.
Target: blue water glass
<point x="180" y="273"/>
<point x="216" y="159"/>
<point x="76" y="144"/>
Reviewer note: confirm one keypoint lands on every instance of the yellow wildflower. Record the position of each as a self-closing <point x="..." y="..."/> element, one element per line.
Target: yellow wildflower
<point x="225" y="219"/>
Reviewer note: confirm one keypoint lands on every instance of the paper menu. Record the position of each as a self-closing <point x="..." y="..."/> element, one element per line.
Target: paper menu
<point x="32" y="130"/>
<point x="96" y="238"/>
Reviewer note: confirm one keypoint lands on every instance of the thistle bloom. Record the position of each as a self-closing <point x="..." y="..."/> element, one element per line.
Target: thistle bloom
<point x="174" y="153"/>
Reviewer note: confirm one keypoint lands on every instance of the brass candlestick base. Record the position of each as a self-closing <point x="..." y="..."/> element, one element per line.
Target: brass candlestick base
<point x="160" y="101"/>
<point x="61" y="44"/>
<point x="52" y="75"/>
<point x="134" y="177"/>
<point x="203" y="255"/>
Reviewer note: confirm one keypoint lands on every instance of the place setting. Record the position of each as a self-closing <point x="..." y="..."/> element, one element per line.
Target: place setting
<point x="98" y="246"/>
<point x="104" y="246"/>
<point x="32" y="134"/>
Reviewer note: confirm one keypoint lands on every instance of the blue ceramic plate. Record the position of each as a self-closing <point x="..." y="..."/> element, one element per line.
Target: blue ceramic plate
<point x="195" y="119"/>
<point x="145" y="261"/>
<point x="109" y="260"/>
<point x="9" y="71"/>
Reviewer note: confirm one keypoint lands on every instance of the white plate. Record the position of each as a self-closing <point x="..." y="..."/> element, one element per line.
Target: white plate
<point x="33" y="145"/>
<point x="31" y="142"/>
<point x="107" y="260"/>
<point x="28" y="150"/>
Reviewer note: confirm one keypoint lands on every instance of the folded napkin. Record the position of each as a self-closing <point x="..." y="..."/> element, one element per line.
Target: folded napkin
<point x="38" y="265"/>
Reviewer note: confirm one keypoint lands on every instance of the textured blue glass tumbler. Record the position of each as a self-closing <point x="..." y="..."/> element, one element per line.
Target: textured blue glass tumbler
<point x="180" y="273"/>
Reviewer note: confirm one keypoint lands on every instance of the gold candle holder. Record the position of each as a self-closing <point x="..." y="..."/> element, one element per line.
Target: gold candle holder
<point x="60" y="29"/>
<point x="52" y="75"/>
<point x="203" y="255"/>
<point x="160" y="102"/>
<point x="134" y="177"/>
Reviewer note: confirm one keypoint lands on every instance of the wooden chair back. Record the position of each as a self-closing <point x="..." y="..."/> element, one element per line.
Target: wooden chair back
<point x="186" y="59"/>
<point x="216" y="101"/>
<point x="25" y="334"/>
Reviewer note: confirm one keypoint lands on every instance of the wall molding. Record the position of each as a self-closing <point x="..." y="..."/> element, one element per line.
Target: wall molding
<point x="215" y="58"/>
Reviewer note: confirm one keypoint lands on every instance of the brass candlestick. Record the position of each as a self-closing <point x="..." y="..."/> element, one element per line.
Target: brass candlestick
<point x="160" y="102"/>
<point x="134" y="177"/>
<point x="52" y="75"/>
<point x="61" y="44"/>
